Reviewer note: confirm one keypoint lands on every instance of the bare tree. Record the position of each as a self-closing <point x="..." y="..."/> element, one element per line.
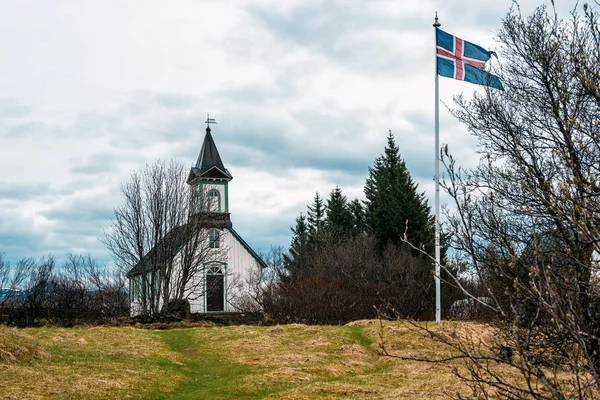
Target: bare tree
<point x="38" y="289"/>
<point x="12" y="279"/>
<point x="85" y="290"/>
<point x="164" y="236"/>
<point x="526" y="219"/>
<point x="340" y="280"/>
<point x="249" y="294"/>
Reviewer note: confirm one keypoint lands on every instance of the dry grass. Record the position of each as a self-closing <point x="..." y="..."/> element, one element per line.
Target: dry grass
<point x="18" y="347"/>
<point x="418" y="379"/>
<point x="90" y="363"/>
<point x="327" y="362"/>
<point x="282" y="362"/>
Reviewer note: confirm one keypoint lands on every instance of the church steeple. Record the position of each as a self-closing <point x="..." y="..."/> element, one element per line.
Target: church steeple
<point x="211" y="179"/>
<point x="209" y="164"/>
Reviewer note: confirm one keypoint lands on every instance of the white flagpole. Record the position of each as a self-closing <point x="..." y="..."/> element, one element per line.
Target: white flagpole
<point x="438" y="307"/>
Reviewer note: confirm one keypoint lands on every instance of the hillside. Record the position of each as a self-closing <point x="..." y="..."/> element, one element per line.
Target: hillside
<point x="240" y="362"/>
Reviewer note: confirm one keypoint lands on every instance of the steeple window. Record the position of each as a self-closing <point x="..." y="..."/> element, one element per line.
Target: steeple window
<point x="213" y="200"/>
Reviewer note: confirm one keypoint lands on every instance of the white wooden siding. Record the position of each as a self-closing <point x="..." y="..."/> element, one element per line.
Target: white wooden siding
<point x="238" y="269"/>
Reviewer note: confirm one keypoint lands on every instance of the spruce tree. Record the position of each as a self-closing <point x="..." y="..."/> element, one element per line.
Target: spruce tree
<point x="357" y="213"/>
<point x="316" y="215"/>
<point x="292" y="260"/>
<point x="339" y="217"/>
<point x="393" y="201"/>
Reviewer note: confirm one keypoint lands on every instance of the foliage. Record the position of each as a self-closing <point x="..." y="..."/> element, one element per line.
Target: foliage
<point x="339" y="216"/>
<point x="357" y="213"/>
<point x="353" y="260"/>
<point x="394" y="205"/>
<point x="316" y="214"/>
<point x="299" y="243"/>
<point x="345" y="280"/>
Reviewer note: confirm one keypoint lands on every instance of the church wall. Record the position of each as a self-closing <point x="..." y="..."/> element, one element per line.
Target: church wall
<point x="238" y="269"/>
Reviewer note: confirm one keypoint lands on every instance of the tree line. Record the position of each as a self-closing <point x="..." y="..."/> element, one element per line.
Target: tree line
<point x="37" y="292"/>
<point x="349" y="259"/>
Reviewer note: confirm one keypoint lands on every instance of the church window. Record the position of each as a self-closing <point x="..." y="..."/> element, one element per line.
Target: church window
<point x="214" y="271"/>
<point x="136" y="288"/>
<point x="214" y="200"/>
<point x="214" y="239"/>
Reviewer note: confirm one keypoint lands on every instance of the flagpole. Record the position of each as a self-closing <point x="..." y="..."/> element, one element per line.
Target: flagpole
<point x="438" y="308"/>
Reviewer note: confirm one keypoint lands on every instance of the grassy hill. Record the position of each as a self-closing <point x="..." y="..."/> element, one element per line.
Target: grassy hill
<point x="239" y="362"/>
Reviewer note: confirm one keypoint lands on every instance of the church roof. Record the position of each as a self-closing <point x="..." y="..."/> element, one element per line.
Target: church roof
<point x="173" y="241"/>
<point x="165" y="249"/>
<point x="209" y="164"/>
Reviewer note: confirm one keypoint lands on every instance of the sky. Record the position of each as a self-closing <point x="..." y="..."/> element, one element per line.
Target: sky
<point x="303" y="92"/>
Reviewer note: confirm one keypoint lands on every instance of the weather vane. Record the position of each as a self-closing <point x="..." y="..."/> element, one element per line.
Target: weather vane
<point x="209" y="121"/>
<point x="436" y="24"/>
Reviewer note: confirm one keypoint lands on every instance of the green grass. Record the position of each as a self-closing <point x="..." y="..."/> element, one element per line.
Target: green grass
<point x="207" y="371"/>
<point x="357" y="333"/>
<point x="242" y="362"/>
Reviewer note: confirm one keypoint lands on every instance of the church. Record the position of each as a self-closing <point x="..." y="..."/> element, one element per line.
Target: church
<point x="223" y="282"/>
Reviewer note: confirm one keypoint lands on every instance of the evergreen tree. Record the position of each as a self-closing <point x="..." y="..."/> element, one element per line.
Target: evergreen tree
<point x="300" y="233"/>
<point x="339" y="217"/>
<point x="316" y="214"/>
<point x="300" y="237"/>
<point x="393" y="201"/>
<point x="357" y="214"/>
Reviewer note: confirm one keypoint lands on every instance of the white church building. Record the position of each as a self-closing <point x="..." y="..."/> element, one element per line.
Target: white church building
<point x="221" y="282"/>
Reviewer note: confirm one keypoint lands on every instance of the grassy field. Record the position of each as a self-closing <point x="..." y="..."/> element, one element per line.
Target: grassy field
<point x="238" y="362"/>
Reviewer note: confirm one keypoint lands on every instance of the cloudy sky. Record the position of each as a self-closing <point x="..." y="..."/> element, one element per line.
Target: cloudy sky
<point x="303" y="91"/>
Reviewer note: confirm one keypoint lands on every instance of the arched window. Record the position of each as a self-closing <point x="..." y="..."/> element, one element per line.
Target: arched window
<point x="214" y="271"/>
<point x="214" y="239"/>
<point x="215" y="289"/>
<point x="214" y="200"/>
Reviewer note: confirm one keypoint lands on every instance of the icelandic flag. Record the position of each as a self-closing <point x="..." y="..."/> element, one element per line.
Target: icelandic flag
<point x="465" y="61"/>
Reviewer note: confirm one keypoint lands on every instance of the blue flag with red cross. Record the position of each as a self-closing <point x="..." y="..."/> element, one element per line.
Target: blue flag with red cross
<point x="465" y="61"/>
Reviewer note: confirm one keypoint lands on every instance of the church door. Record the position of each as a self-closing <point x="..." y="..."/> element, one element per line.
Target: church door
<point x="215" y="289"/>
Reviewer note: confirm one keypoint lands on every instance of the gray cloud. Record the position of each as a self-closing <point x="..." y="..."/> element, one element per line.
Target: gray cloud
<point x="351" y="34"/>
<point x="274" y="230"/>
<point x="11" y="108"/>
<point x="81" y="215"/>
<point x="18" y="237"/>
<point x="97" y="163"/>
<point x="20" y="129"/>
<point x="22" y="191"/>
<point x="175" y="100"/>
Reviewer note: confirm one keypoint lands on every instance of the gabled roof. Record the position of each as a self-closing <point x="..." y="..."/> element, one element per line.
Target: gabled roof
<point x="176" y="238"/>
<point x="168" y="246"/>
<point x="256" y="257"/>
<point x="173" y="241"/>
<point x="209" y="164"/>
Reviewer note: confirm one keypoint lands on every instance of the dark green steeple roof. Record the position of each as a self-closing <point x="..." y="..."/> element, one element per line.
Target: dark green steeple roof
<point x="209" y="164"/>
